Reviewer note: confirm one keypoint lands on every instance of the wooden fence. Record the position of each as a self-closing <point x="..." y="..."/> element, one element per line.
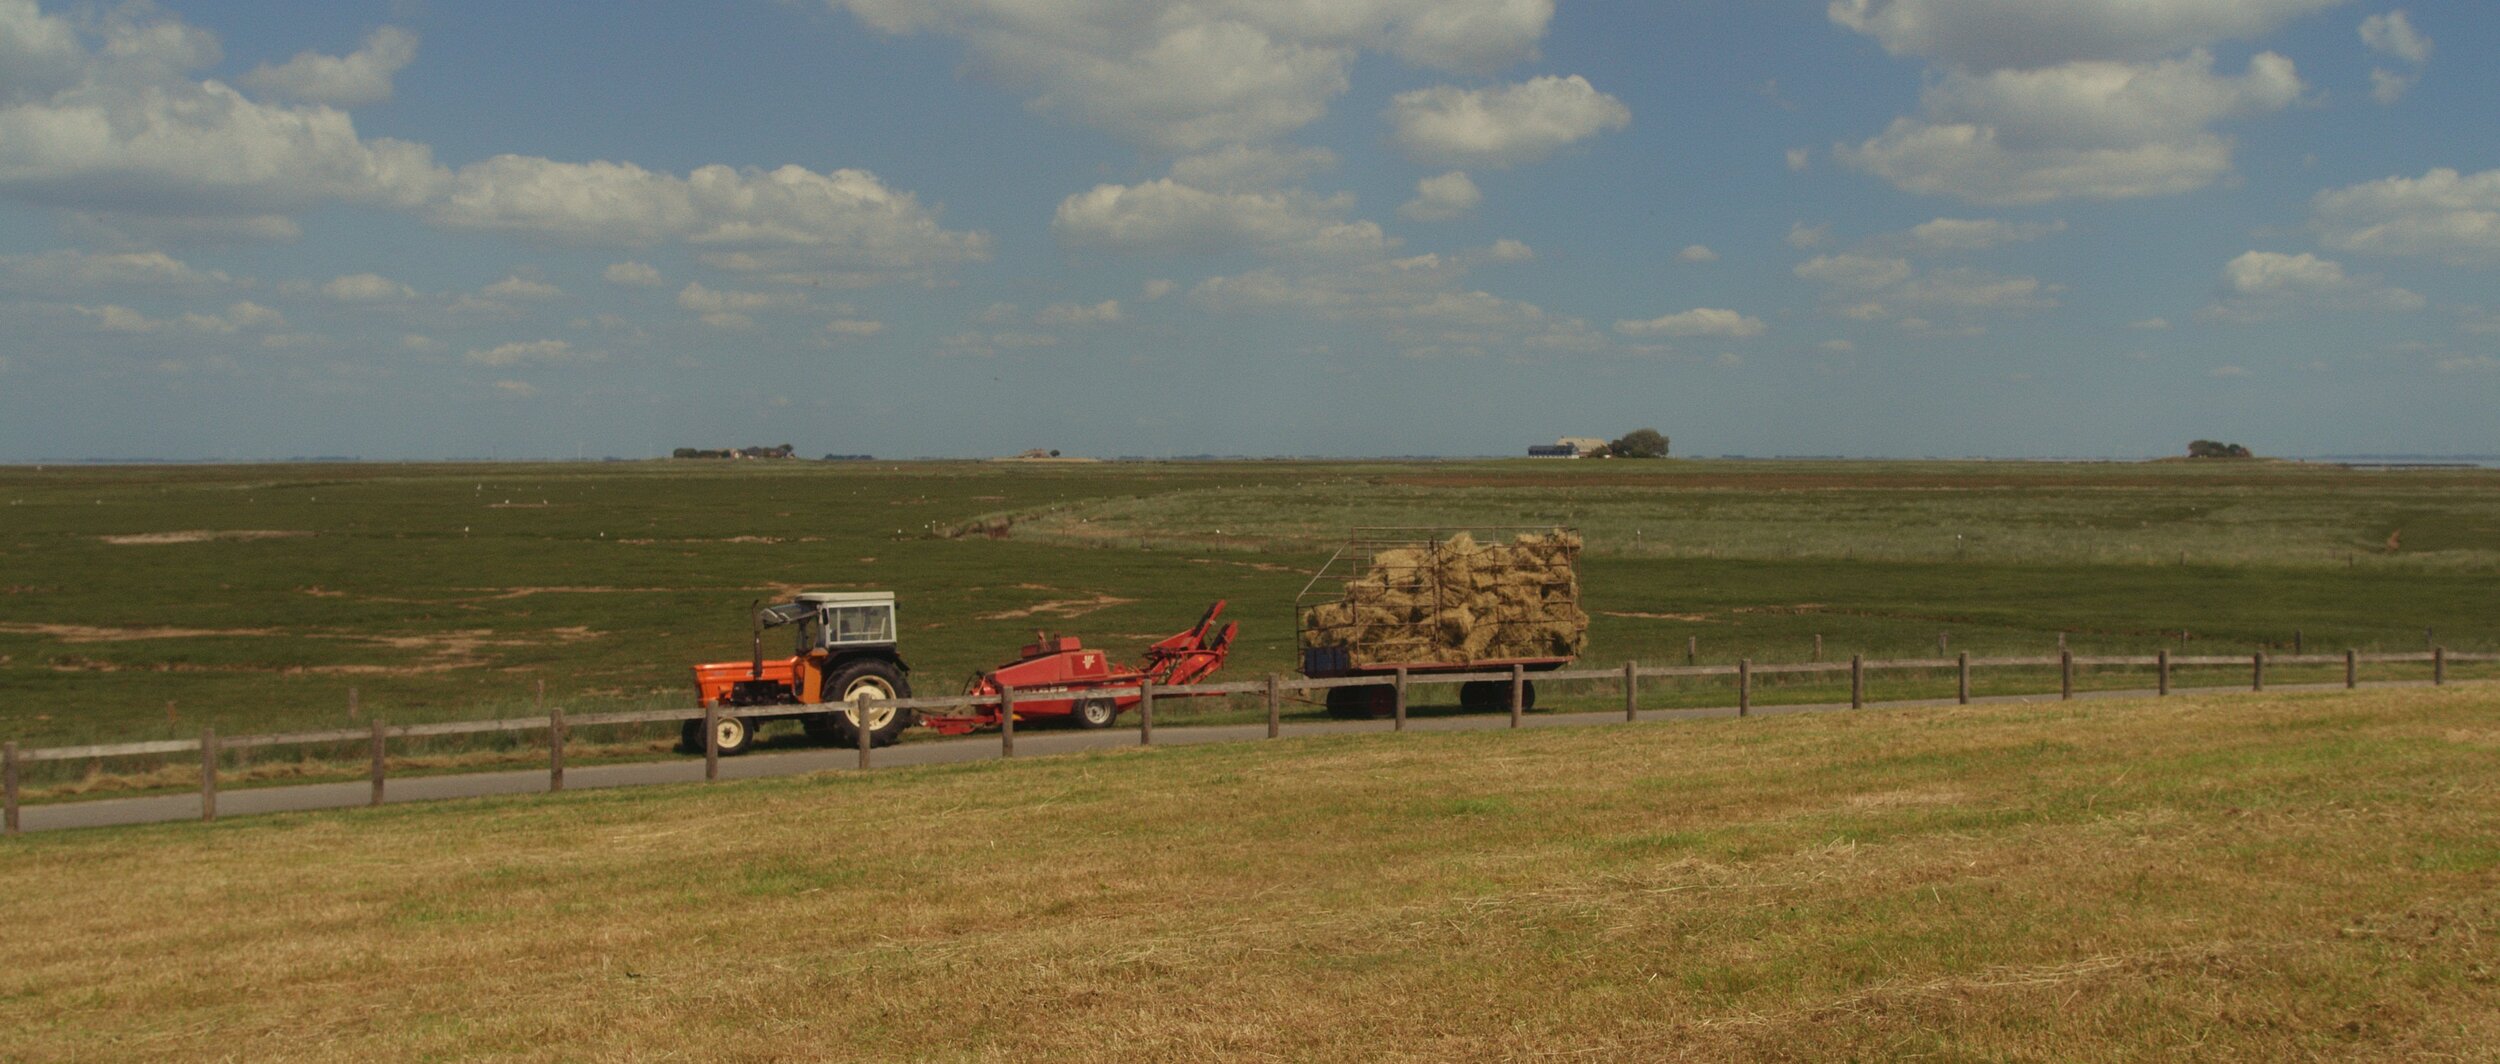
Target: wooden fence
<point x="558" y="726"/>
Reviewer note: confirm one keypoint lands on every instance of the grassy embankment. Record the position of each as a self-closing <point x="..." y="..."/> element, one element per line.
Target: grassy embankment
<point x="440" y="592"/>
<point x="2241" y="878"/>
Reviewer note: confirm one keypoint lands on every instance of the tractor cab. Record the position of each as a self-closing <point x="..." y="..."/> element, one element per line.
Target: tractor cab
<point x="836" y="621"/>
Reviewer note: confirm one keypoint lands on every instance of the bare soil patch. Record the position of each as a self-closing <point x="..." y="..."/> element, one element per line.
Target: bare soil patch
<point x="149" y="539"/>
<point x="1060" y="608"/>
<point x="87" y="633"/>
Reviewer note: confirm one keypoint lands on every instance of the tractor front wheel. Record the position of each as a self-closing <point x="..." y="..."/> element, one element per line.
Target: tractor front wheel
<point x="877" y="680"/>
<point x="736" y="735"/>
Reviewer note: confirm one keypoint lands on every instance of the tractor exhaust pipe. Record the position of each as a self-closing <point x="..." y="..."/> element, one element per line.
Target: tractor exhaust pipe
<point x="755" y="613"/>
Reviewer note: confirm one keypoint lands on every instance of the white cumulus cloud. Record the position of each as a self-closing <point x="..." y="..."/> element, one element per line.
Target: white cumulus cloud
<point x="1102" y="313"/>
<point x="1700" y="321"/>
<point x="367" y="288"/>
<point x="73" y="268"/>
<point x="2088" y="129"/>
<point x="1167" y="216"/>
<point x="1441" y="198"/>
<point x="633" y="275"/>
<point x="2262" y="285"/>
<point x="1978" y="234"/>
<point x="2004" y="34"/>
<point x="1184" y="77"/>
<point x="1521" y="123"/>
<point x="2441" y="215"/>
<point x="356" y="79"/>
<point x="1697" y="253"/>
<point x="533" y="352"/>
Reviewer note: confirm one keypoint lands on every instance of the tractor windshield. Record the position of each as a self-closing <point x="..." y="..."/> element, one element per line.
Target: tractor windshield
<point x="861" y="624"/>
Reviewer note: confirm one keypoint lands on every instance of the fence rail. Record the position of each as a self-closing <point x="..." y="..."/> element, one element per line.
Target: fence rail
<point x="556" y="724"/>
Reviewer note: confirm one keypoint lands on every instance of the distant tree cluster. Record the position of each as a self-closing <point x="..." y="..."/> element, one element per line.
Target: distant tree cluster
<point x="783" y="451"/>
<point x="2217" y="449"/>
<point x="1638" y="443"/>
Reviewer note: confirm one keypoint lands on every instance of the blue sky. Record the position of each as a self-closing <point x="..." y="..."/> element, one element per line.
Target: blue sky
<point x="426" y="228"/>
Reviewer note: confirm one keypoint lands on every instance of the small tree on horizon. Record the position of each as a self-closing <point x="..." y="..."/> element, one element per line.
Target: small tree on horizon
<point x="1639" y="443"/>
<point x="2217" y="449"/>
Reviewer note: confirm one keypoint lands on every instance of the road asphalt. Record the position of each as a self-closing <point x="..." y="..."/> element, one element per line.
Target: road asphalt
<point x="1030" y="742"/>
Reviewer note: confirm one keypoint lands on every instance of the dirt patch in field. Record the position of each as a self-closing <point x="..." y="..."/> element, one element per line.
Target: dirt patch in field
<point x="149" y="539"/>
<point x="1904" y="799"/>
<point x="1696" y="618"/>
<point x="1060" y="608"/>
<point x="1264" y="567"/>
<point x="437" y="651"/>
<point x="83" y="633"/>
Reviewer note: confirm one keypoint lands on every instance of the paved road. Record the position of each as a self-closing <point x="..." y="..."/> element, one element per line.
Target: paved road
<point x="1030" y="742"/>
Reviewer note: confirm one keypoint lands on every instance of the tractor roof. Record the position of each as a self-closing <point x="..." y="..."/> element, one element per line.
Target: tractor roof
<point x="847" y="598"/>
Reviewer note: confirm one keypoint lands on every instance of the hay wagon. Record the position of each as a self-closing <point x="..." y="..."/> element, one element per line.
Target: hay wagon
<point x="1441" y="600"/>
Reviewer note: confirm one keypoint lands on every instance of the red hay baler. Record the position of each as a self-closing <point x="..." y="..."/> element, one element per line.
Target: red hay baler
<point x="1057" y="677"/>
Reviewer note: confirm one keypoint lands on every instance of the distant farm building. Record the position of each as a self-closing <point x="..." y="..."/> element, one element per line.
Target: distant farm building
<point x="1568" y="447"/>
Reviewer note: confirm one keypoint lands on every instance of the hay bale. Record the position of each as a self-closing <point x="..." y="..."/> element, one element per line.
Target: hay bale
<point x="1459" y="600"/>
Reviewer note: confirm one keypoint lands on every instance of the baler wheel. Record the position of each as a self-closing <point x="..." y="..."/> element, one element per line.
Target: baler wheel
<point x="878" y="680"/>
<point x="1095" y="713"/>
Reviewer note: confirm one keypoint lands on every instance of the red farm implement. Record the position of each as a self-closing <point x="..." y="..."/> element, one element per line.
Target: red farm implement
<point x="1059" y="679"/>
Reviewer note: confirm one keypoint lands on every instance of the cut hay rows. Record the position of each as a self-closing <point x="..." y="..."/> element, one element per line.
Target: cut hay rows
<point x="1458" y="600"/>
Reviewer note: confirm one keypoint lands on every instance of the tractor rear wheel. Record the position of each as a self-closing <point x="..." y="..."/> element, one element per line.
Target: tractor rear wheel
<point x="1094" y="713"/>
<point x="736" y="735"/>
<point x="878" y="680"/>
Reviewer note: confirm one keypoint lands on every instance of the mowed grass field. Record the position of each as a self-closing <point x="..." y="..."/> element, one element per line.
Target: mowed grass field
<point x="146" y="602"/>
<point x="2277" y="877"/>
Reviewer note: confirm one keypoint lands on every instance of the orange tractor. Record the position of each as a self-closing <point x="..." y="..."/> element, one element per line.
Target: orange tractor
<point x="847" y="651"/>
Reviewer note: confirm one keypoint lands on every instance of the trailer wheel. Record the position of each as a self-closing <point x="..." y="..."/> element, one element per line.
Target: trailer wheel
<point x="1359" y="703"/>
<point x="879" y="680"/>
<point x="1483" y="695"/>
<point x="1095" y="713"/>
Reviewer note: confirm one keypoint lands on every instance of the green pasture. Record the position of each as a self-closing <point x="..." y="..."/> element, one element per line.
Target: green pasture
<point x="145" y="602"/>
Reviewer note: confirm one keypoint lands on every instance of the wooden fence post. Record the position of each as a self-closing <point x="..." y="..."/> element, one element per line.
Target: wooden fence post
<point x="2161" y="662"/>
<point x="1400" y="709"/>
<point x="1631" y="691"/>
<point x="208" y="773"/>
<point x="381" y="759"/>
<point x="1961" y="685"/>
<point x="1518" y="696"/>
<point x="1006" y="721"/>
<point x="1744" y="687"/>
<point x="1145" y="712"/>
<point x="1692" y="649"/>
<point x="1275" y="708"/>
<point x="2065" y="672"/>
<point x="2257" y="671"/>
<point x="2296" y="641"/>
<point x="8" y="783"/>
<point x="1944" y="642"/>
<point x="351" y="703"/>
<point x="1818" y="646"/>
<point x="859" y="727"/>
<point x="555" y="749"/>
<point x="2352" y="668"/>
<point x="2439" y="666"/>
<point x="711" y="743"/>
<point x="1857" y="681"/>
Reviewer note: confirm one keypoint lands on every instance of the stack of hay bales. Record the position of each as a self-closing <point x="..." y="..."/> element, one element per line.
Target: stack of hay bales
<point x="1459" y="600"/>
